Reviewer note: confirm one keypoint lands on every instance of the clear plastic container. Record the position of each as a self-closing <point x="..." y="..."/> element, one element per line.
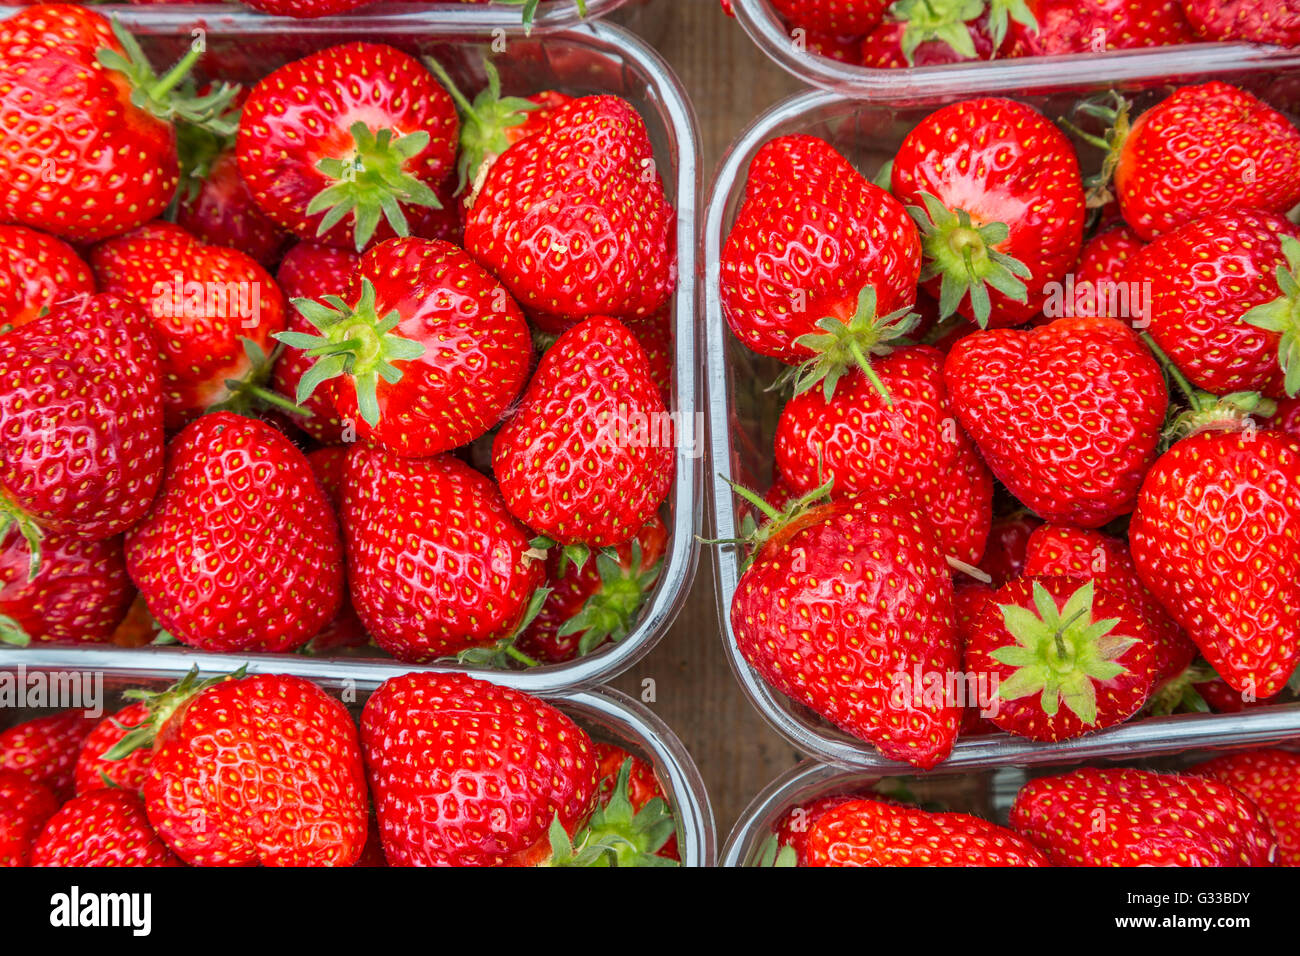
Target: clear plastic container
<point x="603" y="712"/>
<point x="743" y="416"/>
<point x="595" y="57"/>
<point x="769" y="30"/>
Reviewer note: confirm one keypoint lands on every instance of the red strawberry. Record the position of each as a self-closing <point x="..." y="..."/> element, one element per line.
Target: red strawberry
<point x="1126" y="817"/>
<point x="1271" y="778"/>
<point x="588" y="457"/>
<point x="305" y="8"/>
<point x="465" y="773"/>
<point x="1099" y="277"/>
<point x="1004" y="555"/>
<point x="80" y="595"/>
<point x="241" y="550"/>
<point x="790" y="835"/>
<point x="329" y="465"/>
<point x="812" y="238"/>
<point x="436" y="563"/>
<point x="1066" y="26"/>
<point x="429" y="350"/>
<point x="1286" y="418"/>
<point x="37" y="271"/>
<point x="101" y="828"/>
<point x="1206" y="149"/>
<point x="573" y="219"/>
<point x="220" y="211"/>
<point x="1066" y="657"/>
<point x="94" y="771"/>
<point x="1211" y="539"/>
<point x="350" y="136"/>
<point x="45" y="749"/>
<point x="1001" y="212"/>
<point x="642" y="785"/>
<point x="848" y="610"/>
<point x="1067" y="415"/>
<point x="25" y="805"/>
<point x="1252" y="21"/>
<point x="839" y="17"/>
<point x="845" y="49"/>
<point x="654" y="333"/>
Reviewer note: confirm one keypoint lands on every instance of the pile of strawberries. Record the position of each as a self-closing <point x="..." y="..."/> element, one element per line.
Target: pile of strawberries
<point x="1038" y="468"/>
<point x="271" y="770"/>
<point x="337" y="358"/>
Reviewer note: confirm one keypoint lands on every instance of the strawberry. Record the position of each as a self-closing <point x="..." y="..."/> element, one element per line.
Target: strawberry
<point x="465" y="773"/>
<point x="588" y="457"/>
<point x="329" y="465"/>
<point x="872" y="833"/>
<point x="25" y="805"/>
<point x="911" y="447"/>
<point x="1067" y="415"/>
<point x="1126" y="817"/>
<point x="573" y="219"/>
<point x="241" y="550"/>
<point x="1066" y="26"/>
<point x="1271" y="778"/>
<point x="37" y="271"/>
<point x="1205" y="149"/>
<point x="810" y="615"/>
<point x="836" y="17"/>
<point x="1286" y="418"/>
<point x="845" y="49"/>
<point x="1008" y="541"/>
<point x="304" y="9"/>
<point x="429" y="350"/>
<point x="1222" y="294"/>
<point x="45" y="749"/>
<point x="1048" y="641"/>
<point x="934" y="32"/>
<point x="1251" y="21"/>
<point x="1001" y="212"/>
<point x="811" y="239"/>
<point x="654" y="333"/>
<point x="220" y="210"/>
<point x="1099" y="275"/>
<point x="94" y="772"/>
<point x="436" y="563"/>
<point x="80" y="595"/>
<point x="101" y="828"/>
<point x="1210" y="538"/>
<point x="642" y="785"/>
<point x="348" y="144"/>
<point x="788" y="845"/>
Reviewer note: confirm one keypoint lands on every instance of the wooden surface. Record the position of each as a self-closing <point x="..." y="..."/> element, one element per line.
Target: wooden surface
<point x="730" y="82"/>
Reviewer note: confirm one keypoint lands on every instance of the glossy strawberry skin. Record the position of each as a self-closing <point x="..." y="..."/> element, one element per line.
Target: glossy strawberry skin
<point x="1206" y="149"/>
<point x="1210" y="538"/>
<point x="1147" y="819"/>
<point x="1065" y="26"/>
<point x="241" y="550"/>
<point x="36" y="271"/>
<point x="811" y="234"/>
<point x="79" y="160"/>
<point x="534" y="223"/>
<point x="25" y="805"/>
<point x="793" y="828"/>
<point x="1101" y="267"/>
<point x="465" y="773"/>
<point x="836" y="17"/>
<point x="222" y="212"/>
<point x="839" y="609"/>
<point x="642" y="785"/>
<point x="45" y="749"/>
<point x="128" y="773"/>
<point x="436" y="563"/>
<point x="575" y="462"/>
<point x="654" y="333"/>
<point x="871" y="833"/>
<point x="259" y="770"/>
<point x="81" y="418"/>
<point x="1203" y="277"/>
<point x="101" y="828"/>
<point x="80" y="596"/>
<point x="1271" y="778"/>
<point x="1250" y="21"/>
<point x="913" y="449"/>
<point x="1008" y="542"/>
<point x="1067" y="416"/>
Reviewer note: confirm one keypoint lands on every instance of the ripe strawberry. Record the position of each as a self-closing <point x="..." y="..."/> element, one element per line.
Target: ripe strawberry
<point x="429" y="350"/>
<point x="1271" y="778"/>
<point x="80" y="595"/>
<point x="219" y="210"/>
<point x="1251" y="21"/>
<point x="642" y="785"/>
<point x="1125" y="817"/>
<point x="836" y="17"/>
<point x="1066" y="26"/>
<point x="45" y="749"/>
<point x="871" y="833"/>
<point x="1286" y="418"/>
<point x="911" y="447"/>
<point x="1099" y="276"/>
<point x="1001" y="212"/>
<point x="329" y="465"/>
<point x="654" y="333"/>
<point x="1210" y="538"/>
<point x="25" y="805"/>
<point x="811" y="615"/>
<point x="788" y="845"/>
<point x="241" y="550"/>
<point x="1067" y="415"/>
<point x="934" y="32"/>
<point x="573" y="219"/>
<point x="436" y="563"/>
<point x="101" y="828"/>
<point x="37" y="271"/>
<point x="844" y="49"/>
<point x="303" y="9"/>
<point x="465" y="773"/>
<point x="350" y="136"/>
<point x="1008" y="541"/>
<point x="812" y="237"/>
<point x="588" y="457"/>
<point x="94" y="772"/>
<point x="1206" y="149"/>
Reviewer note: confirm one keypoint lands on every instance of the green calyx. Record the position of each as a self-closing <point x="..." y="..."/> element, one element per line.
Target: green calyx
<point x="1060" y="652"/>
<point x="12" y="517"/>
<point x="610" y="613"/>
<point x="936" y="20"/>
<point x="502" y="653"/>
<point x="372" y="182"/>
<point x="1002" y="12"/>
<point x="162" y="705"/>
<point x="842" y="346"/>
<point x="12" y="633"/>
<point x="1282" y="315"/>
<point x="1206" y="412"/>
<point x="1179" y="693"/>
<point x="570" y="554"/>
<point x="755" y="535"/>
<point x="773" y="853"/>
<point x="354" y="340"/>
<point x="964" y="255"/>
<point x="1113" y="111"/>
<point x="249" y="394"/>
<point x="616" y="835"/>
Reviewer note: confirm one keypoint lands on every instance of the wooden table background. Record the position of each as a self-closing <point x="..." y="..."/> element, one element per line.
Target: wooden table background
<point x="730" y="83"/>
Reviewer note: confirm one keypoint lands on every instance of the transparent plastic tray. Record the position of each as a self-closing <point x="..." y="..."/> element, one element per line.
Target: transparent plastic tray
<point x="595" y="57"/>
<point x="603" y="712"/>
<point x="769" y="30"/>
<point x="743" y="416"/>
